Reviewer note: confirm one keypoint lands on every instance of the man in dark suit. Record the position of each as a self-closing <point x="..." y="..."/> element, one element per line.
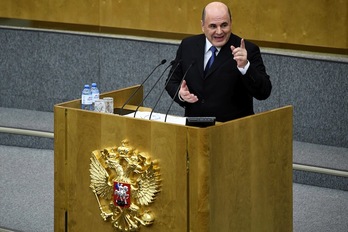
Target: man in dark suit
<point x="226" y="89"/>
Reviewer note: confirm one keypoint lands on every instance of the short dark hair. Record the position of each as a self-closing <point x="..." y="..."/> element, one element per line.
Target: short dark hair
<point x="203" y="14"/>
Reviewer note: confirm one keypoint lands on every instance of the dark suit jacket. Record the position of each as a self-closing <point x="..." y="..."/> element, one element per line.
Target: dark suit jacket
<point x="224" y="92"/>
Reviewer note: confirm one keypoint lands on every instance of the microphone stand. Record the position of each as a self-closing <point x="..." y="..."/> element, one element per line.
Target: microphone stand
<point x="122" y="108"/>
<point x="153" y="86"/>
<point x="177" y="65"/>
<point x="177" y="91"/>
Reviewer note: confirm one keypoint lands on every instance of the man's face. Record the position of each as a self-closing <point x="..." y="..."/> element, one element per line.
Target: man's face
<point x="217" y="26"/>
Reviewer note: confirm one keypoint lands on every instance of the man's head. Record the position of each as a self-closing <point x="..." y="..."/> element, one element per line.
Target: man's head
<point x="216" y="23"/>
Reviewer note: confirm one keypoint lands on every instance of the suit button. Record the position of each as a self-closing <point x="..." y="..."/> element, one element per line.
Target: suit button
<point x="203" y="101"/>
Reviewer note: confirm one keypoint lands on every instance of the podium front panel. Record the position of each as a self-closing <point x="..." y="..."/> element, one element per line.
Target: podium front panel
<point x="240" y="174"/>
<point x="234" y="176"/>
<point x="79" y="132"/>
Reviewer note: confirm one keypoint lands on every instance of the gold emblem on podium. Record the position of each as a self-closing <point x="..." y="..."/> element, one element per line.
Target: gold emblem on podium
<point x="125" y="182"/>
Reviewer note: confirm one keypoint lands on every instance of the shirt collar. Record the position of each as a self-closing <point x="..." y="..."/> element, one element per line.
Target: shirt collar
<point x="208" y="45"/>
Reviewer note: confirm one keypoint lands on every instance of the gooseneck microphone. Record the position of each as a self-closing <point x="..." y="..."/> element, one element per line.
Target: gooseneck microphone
<point x="177" y="91"/>
<point x="170" y="76"/>
<point x="137" y="89"/>
<point x="153" y="86"/>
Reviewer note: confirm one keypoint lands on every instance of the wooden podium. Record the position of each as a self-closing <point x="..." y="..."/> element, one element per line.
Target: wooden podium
<point x="234" y="176"/>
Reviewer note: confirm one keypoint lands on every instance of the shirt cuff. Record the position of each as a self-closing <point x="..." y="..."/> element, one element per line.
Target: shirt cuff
<point x="245" y="69"/>
<point x="181" y="98"/>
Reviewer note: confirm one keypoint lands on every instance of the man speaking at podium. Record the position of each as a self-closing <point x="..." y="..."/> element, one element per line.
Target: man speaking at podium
<point x="218" y="73"/>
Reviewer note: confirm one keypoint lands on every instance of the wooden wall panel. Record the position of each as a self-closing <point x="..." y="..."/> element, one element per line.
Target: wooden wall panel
<point x="76" y="11"/>
<point x="319" y="23"/>
<point x="315" y="23"/>
<point x="180" y="16"/>
<point x="21" y="9"/>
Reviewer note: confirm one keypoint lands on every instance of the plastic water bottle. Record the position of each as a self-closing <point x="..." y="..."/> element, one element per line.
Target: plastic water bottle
<point x="86" y="98"/>
<point x="95" y="93"/>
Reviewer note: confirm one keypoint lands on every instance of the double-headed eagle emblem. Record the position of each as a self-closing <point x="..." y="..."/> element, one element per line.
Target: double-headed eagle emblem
<point x="125" y="182"/>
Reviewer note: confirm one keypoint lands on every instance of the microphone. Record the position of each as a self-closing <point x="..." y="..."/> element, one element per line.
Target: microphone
<point x="177" y="91"/>
<point x="153" y="86"/>
<point x="170" y="76"/>
<point x="121" y="109"/>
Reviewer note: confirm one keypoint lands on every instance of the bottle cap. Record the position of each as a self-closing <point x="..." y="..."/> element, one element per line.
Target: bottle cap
<point x="94" y="84"/>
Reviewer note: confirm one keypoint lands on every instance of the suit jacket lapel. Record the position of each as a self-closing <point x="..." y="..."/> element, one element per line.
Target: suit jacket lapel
<point x="200" y="55"/>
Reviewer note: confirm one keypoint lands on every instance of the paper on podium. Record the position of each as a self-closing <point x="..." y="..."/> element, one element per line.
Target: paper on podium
<point x="159" y="117"/>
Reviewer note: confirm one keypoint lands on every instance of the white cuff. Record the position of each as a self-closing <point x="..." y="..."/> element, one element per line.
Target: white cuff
<point x="181" y="98"/>
<point x="245" y="69"/>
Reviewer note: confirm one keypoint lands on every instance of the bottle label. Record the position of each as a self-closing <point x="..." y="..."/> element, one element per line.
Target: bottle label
<point x="86" y="99"/>
<point x="95" y="96"/>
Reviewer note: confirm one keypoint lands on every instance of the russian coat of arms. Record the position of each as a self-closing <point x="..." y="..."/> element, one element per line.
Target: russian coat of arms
<point x="125" y="182"/>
